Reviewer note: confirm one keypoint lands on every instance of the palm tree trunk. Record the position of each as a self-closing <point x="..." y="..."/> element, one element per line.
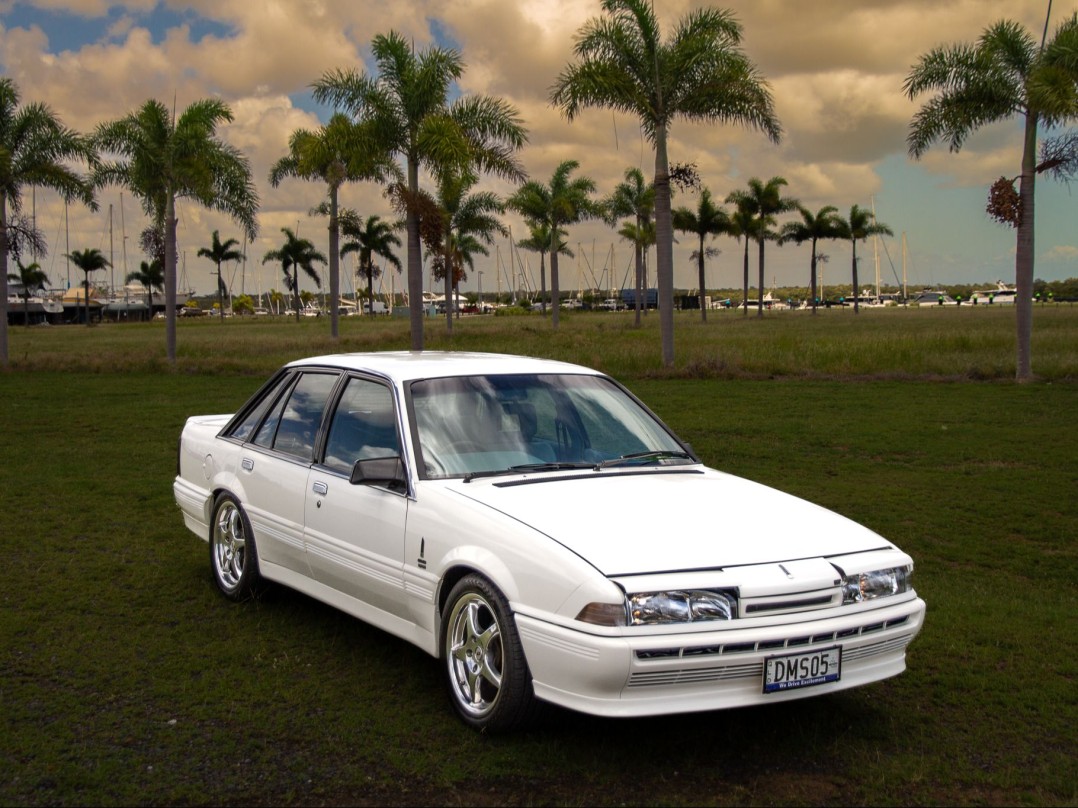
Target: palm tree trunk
<point x="542" y="281"/>
<point x="170" y="276"/>
<point x="1023" y="260"/>
<point x="555" y="292"/>
<point x="854" y="243"/>
<point x="760" y="302"/>
<point x="415" y="259"/>
<point x="638" y="281"/>
<point x="664" y="243"/>
<point x="3" y="280"/>
<point x="745" y="291"/>
<point x="334" y="264"/>
<point x="295" y="290"/>
<point x="812" y="277"/>
<point x="370" y="288"/>
<point x="448" y="286"/>
<point x="700" y="266"/>
<point x="220" y="295"/>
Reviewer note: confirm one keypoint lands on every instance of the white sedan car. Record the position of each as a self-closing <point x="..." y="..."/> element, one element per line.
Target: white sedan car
<point x="535" y="527"/>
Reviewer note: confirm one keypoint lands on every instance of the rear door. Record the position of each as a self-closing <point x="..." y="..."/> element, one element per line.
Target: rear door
<point x="275" y="466"/>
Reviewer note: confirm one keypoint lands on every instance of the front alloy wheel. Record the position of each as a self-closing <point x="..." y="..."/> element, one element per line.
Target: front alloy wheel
<point x="488" y="678"/>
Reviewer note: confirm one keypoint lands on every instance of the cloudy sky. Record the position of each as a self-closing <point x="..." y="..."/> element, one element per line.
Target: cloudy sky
<point x="835" y="68"/>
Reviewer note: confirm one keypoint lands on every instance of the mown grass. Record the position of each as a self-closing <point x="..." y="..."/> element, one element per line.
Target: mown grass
<point x="962" y="343"/>
<point x="125" y="679"/>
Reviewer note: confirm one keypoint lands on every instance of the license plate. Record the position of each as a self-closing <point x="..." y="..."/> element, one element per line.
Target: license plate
<point x="792" y="671"/>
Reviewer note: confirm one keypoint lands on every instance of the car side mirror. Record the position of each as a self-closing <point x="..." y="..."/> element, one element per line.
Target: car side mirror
<point x="387" y="471"/>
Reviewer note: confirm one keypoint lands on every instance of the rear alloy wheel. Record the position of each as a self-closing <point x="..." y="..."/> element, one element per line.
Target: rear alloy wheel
<point x="232" y="550"/>
<point x="487" y="675"/>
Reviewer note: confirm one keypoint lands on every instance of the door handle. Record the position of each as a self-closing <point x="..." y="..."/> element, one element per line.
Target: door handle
<point x="320" y="488"/>
<point x="248" y="464"/>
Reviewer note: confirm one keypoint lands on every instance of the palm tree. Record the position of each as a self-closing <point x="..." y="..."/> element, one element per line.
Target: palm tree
<point x="642" y="236"/>
<point x="859" y="227"/>
<point x="634" y="197"/>
<point x="369" y="237"/>
<point x="35" y="150"/>
<point x="296" y="254"/>
<point x="563" y="202"/>
<point x="30" y="278"/>
<point x="161" y="158"/>
<point x="88" y="260"/>
<point x="743" y="224"/>
<point x="219" y="253"/>
<point x="339" y="152"/>
<point x="539" y="240"/>
<point x="469" y="220"/>
<point x="1003" y="74"/>
<point x="699" y="73"/>
<point x="824" y="224"/>
<point x="708" y="219"/>
<point x="276" y="298"/>
<point x="765" y="200"/>
<point x="152" y="276"/>
<point x="408" y="105"/>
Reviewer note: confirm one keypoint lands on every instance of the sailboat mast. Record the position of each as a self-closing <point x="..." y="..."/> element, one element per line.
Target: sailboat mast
<point x="112" y="256"/>
<point x="875" y="252"/>
<point x="123" y="242"/>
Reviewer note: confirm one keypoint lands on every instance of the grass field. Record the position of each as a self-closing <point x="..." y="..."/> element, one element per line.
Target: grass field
<point x="125" y="678"/>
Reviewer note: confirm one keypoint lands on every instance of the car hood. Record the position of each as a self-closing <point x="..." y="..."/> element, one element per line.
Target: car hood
<point x="634" y="522"/>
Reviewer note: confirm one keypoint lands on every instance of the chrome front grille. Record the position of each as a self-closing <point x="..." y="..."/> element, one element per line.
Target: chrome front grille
<point x="735" y="670"/>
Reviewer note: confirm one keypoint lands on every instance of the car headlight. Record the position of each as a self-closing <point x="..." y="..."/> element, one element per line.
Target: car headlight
<point x="656" y="608"/>
<point x="680" y="606"/>
<point x="864" y="586"/>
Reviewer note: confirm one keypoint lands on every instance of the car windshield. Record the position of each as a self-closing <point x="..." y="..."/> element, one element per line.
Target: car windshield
<point x="476" y="425"/>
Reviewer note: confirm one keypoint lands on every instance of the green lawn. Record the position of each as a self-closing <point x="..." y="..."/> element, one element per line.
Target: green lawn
<point x="125" y="678"/>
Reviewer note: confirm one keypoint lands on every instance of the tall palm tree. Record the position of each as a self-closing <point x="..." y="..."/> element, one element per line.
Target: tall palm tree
<point x="469" y="220"/>
<point x="407" y="104"/>
<point x="642" y="236"/>
<point x="824" y="224"/>
<point x="861" y="224"/>
<point x="368" y="237"/>
<point x="36" y="149"/>
<point x="152" y="276"/>
<point x="296" y="254"/>
<point x="765" y="200"/>
<point x="339" y="152"/>
<point x="88" y="260"/>
<point x="539" y="240"/>
<point x="634" y="197"/>
<point x="1005" y="73"/>
<point x="29" y="277"/>
<point x="219" y="253"/>
<point x="161" y="158"/>
<point x="708" y="219"/>
<point x="743" y="225"/>
<point x="566" y="200"/>
<point x="699" y="73"/>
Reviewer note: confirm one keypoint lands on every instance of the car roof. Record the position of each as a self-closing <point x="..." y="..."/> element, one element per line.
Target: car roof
<point x="402" y="366"/>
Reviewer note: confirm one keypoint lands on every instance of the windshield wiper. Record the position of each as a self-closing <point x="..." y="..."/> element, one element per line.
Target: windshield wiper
<point x="644" y="457"/>
<point x="526" y="467"/>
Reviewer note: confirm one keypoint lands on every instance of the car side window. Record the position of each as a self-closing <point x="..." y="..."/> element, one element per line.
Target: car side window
<point x="296" y="422"/>
<point x="363" y="426"/>
<point x="245" y="428"/>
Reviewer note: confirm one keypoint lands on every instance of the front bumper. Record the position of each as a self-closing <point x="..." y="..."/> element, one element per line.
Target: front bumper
<point x="657" y="674"/>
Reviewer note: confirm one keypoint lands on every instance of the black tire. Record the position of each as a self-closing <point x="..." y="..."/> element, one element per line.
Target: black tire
<point x="487" y="675"/>
<point x="233" y="557"/>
